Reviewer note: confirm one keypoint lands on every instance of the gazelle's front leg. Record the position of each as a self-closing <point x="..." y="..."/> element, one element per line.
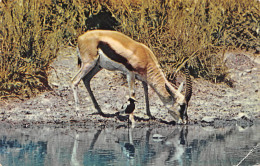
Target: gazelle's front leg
<point x="131" y="84"/>
<point x="147" y="99"/>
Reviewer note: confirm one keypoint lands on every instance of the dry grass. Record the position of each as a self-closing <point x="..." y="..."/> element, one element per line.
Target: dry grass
<point x="193" y="31"/>
<point x="196" y="32"/>
<point x="30" y="36"/>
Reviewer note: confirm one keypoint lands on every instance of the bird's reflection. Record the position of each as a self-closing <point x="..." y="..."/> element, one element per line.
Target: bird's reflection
<point x="128" y="147"/>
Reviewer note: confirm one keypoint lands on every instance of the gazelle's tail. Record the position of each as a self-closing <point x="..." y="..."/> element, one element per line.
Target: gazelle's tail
<point x="79" y="57"/>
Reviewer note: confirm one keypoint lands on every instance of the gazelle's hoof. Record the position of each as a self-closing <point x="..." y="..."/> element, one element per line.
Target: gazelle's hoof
<point x="151" y="117"/>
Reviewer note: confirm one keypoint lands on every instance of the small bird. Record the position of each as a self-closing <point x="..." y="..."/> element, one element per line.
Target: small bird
<point x="131" y="106"/>
<point x="129" y="109"/>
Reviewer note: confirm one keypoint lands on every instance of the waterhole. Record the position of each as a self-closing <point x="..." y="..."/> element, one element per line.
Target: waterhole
<point x="172" y="145"/>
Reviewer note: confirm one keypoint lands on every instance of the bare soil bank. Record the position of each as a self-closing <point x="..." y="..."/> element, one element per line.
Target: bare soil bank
<point x="210" y="103"/>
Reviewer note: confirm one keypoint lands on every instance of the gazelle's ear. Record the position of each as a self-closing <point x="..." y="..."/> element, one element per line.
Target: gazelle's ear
<point x="180" y="87"/>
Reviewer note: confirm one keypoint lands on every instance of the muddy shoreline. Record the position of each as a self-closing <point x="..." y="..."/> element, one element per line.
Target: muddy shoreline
<point x="211" y="104"/>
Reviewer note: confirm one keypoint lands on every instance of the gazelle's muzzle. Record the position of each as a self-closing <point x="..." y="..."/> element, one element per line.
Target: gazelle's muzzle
<point x="183" y="113"/>
<point x="179" y="113"/>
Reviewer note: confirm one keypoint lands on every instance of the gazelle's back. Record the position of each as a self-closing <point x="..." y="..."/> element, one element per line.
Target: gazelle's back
<point x="117" y="43"/>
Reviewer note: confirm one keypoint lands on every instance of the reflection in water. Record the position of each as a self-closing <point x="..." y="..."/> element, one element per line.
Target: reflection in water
<point x="172" y="145"/>
<point x="74" y="161"/>
<point x="128" y="147"/>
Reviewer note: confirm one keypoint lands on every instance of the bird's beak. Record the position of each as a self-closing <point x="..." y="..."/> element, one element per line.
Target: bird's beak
<point x="134" y="99"/>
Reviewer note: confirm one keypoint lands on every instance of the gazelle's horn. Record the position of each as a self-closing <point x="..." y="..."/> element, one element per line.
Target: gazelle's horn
<point x="188" y="88"/>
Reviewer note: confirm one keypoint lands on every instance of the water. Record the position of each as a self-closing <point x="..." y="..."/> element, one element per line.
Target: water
<point x="173" y="145"/>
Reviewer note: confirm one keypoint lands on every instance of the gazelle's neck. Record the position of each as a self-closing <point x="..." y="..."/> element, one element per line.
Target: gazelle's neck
<point x="157" y="81"/>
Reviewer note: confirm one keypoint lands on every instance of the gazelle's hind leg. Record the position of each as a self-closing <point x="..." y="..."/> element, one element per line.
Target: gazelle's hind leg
<point x="84" y="70"/>
<point x="86" y="81"/>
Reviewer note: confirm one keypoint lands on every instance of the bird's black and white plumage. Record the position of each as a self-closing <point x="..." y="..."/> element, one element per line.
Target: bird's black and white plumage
<point x="130" y="107"/>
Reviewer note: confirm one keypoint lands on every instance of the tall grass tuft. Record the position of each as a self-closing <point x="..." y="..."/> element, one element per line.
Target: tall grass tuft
<point x="27" y="46"/>
<point x="31" y="34"/>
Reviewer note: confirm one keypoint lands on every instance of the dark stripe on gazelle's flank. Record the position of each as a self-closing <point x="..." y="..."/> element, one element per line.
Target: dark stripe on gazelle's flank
<point x="113" y="55"/>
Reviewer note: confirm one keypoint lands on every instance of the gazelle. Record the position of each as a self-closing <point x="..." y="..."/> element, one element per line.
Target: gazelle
<point x="98" y="49"/>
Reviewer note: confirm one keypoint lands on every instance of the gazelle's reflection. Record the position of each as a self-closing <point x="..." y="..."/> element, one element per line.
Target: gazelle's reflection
<point x="74" y="161"/>
<point x="178" y="140"/>
<point x="173" y="147"/>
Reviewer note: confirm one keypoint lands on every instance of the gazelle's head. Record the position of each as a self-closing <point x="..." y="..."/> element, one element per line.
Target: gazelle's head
<point x="178" y="109"/>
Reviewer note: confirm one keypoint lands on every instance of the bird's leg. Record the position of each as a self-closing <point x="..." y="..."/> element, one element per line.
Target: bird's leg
<point x="132" y="119"/>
